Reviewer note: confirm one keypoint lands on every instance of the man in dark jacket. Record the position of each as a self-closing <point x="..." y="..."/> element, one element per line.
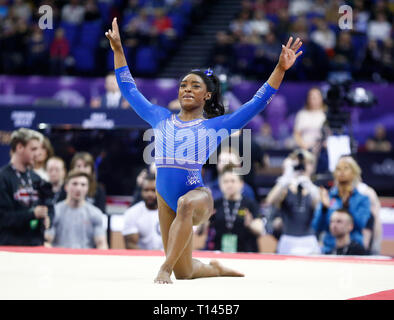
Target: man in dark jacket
<point x="24" y="211"/>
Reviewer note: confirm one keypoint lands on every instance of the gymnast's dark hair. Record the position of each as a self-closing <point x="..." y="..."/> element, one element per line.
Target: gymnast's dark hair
<point x="214" y="106"/>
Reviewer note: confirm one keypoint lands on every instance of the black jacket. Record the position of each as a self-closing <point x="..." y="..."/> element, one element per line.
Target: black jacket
<point x="18" y="225"/>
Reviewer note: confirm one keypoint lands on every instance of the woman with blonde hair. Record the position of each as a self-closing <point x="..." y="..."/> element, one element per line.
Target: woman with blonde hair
<point x="45" y="152"/>
<point x="363" y="188"/>
<point x="344" y="195"/>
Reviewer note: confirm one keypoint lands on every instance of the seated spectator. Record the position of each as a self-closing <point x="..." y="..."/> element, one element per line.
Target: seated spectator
<point x="45" y="151"/>
<point x="259" y="24"/>
<point x="38" y="52"/>
<point x="92" y="12"/>
<point x="228" y="156"/>
<point x="379" y="28"/>
<point x="73" y="12"/>
<point x="341" y="225"/>
<point x="344" y="55"/>
<point x="379" y="142"/>
<point x="267" y="53"/>
<point x="163" y="23"/>
<point x="265" y="139"/>
<point x="59" y="52"/>
<point x="112" y="98"/>
<point x="324" y="36"/>
<point x="236" y="223"/>
<point x="83" y="161"/>
<point x="77" y="223"/>
<point x="56" y="170"/>
<point x="21" y="9"/>
<point x="222" y="52"/>
<point x="344" y="195"/>
<point x="388" y="60"/>
<point x="309" y="121"/>
<point x="137" y="195"/>
<point x="296" y="198"/>
<point x="141" y="221"/>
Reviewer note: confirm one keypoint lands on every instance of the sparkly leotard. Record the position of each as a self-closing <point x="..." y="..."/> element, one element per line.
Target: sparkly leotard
<point x="182" y="147"/>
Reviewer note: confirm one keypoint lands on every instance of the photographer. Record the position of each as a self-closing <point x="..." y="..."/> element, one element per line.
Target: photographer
<point x="295" y="197"/>
<point x="25" y="205"/>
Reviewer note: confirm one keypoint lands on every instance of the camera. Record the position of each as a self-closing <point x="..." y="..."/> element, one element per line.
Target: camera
<point x="340" y="93"/>
<point x="300" y="166"/>
<point x="45" y="193"/>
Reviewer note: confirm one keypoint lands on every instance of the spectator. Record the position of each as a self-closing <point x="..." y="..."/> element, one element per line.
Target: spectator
<point x="77" y="223"/>
<point x="299" y="7"/>
<point x="73" y="12"/>
<point x="21" y="10"/>
<point x="375" y="244"/>
<point x="83" y="161"/>
<point x="296" y="197"/>
<point x="56" y="170"/>
<point x="222" y="52"/>
<point x="45" y="151"/>
<point x="341" y="225"/>
<point x="266" y="53"/>
<point x="137" y="195"/>
<point x="38" y="52"/>
<point x="59" y="52"/>
<point x="259" y="24"/>
<point x="380" y="28"/>
<point x="309" y="121"/>
<point x="388" y="60"/>
<point x="141" y="221"/>
<point x="344" y="55"/>
<point x="92" y="12"/>
<point x="23" y="217"/>
<point x="112" y="98"/>
<point x="163" y="23"/>
<point x="228" y="156"/>
<point x="379" y="142"/>
<point x="324" y="36"/>
<point x="236" y="223"/>
<point x="344" y="195"/>
<point x="264" y="139"/>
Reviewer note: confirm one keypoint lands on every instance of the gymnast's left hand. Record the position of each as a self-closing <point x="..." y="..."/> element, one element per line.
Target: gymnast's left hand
<point x="289" y="53"/>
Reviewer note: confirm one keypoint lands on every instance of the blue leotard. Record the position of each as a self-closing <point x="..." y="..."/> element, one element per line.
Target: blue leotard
<point x="182" y="147"/>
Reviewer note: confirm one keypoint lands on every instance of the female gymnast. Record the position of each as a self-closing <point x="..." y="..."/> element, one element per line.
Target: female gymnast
<point x="183" y="201"/>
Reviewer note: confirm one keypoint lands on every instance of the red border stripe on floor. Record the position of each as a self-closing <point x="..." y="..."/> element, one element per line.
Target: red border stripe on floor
<point x="381" y="295"/>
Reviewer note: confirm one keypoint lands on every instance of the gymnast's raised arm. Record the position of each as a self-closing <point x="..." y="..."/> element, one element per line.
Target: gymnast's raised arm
<point x="145" y="109"/>
<point x="263" y="96"/>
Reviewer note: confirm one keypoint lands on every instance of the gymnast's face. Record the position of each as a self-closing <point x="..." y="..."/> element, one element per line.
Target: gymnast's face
<point x="193" y="92"/>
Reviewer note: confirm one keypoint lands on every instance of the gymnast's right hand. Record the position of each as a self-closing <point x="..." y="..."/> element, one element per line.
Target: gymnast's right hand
<point x="114" y="36"/>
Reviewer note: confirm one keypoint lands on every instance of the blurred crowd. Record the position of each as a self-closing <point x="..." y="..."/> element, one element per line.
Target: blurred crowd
<point x="74" y="43"/>
<point x="251" y="44"/>
<point x="48" y="200"/>
<point x="153" y="29"/>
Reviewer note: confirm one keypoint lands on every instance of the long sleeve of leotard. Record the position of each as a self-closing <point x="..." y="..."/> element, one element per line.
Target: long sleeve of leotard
<point x="239" y="118"/>
<point x="146" y="110"/>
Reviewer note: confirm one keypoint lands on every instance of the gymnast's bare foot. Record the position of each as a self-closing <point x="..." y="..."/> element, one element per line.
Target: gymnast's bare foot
<point x="163" y="277"/>
<point x="223" y="271"/>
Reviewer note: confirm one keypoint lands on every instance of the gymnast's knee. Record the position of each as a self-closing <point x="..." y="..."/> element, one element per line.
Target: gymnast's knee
<point x="183" y="275"/>
<point x="185" y="207"/>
